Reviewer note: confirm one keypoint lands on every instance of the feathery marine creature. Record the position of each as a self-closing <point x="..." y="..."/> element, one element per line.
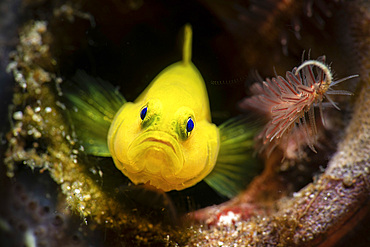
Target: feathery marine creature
<point x="289" y="103"/>
<point x="165" y="138"/>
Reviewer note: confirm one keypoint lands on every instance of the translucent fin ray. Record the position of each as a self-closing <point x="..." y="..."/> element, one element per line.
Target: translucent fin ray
<point x="92" y="105"/>
<point x="236" y="164"/>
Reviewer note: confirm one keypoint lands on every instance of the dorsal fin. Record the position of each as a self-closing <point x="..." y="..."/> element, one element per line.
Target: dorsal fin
<point x="186" y="49"/>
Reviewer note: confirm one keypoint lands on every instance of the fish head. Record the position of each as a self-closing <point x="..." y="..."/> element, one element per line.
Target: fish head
<point x="163" y="144"/>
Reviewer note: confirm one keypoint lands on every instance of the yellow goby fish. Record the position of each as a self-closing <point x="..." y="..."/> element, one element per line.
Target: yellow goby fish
<point x="165" y="138"/>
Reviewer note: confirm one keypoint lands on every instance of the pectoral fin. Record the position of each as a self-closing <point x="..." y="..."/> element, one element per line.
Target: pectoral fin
<point x="236" y="163"/>
<point x="92" y="104"/>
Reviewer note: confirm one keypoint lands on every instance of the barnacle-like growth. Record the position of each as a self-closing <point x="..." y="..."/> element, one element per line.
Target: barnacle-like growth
<point x="289" y="103"/>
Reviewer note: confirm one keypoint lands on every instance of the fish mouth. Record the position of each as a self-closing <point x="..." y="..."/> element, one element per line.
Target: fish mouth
<point x="155" y="153"/>
<point x="151" y="139"/>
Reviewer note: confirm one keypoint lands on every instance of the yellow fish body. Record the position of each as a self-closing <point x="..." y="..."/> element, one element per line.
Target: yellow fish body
<point x="165" y="138"/>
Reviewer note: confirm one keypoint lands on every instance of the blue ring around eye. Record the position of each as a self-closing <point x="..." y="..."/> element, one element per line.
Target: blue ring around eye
<point x="143" y="112"/>
<point x="190" y="125"/>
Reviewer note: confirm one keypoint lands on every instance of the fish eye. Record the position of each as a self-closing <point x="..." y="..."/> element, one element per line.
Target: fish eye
<point x="143" y="112"/>
<point x="189" y="125"/>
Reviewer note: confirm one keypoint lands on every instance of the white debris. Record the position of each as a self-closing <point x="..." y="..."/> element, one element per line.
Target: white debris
<point x="229" y="219"/>
<point x="18" y="115"/>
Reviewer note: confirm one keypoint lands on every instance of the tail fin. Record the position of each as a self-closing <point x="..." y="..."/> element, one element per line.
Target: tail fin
<point x="236" y="163"/>
<point x="92" y="105"/>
